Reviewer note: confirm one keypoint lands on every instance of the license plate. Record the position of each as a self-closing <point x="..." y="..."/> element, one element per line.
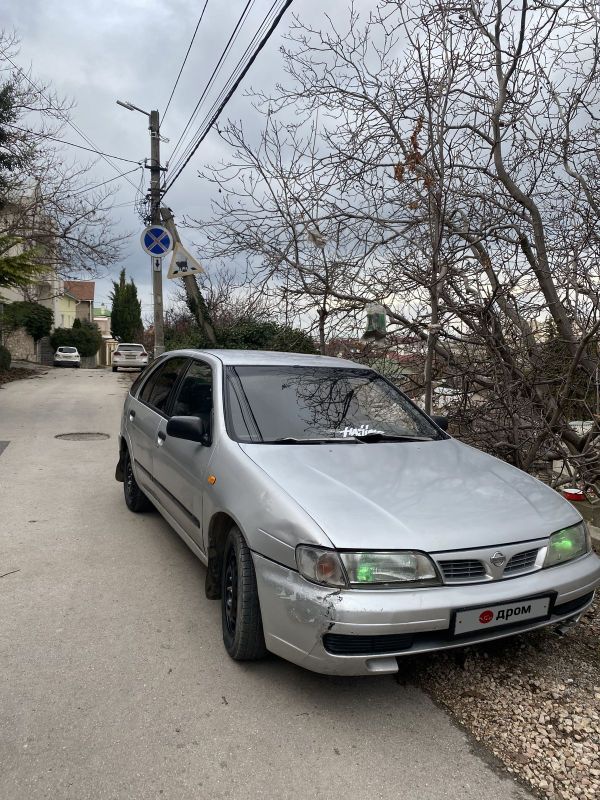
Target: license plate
<point x="486" y="617"/>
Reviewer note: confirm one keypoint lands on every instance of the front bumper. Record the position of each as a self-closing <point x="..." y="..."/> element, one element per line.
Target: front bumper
<point x="297" y="614"/>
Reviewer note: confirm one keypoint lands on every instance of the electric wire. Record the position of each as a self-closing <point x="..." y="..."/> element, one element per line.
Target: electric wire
<point x="231" y="78"/>
<point x="224" y="91"/>
<point x="72" y="144"/>
<point x="230" y="93"/>
<point x="215" y="73"/>
<point x="63" y="115"/>
<point x="184" y="62"/>
<point x="110" y="180"/>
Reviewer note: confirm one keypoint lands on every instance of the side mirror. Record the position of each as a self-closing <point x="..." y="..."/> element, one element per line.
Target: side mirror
<point x="193" y="429"/>
<point x="441" y="422"/>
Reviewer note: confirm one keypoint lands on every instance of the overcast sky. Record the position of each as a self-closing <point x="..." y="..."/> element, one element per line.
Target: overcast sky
<point x="96" y="51"/>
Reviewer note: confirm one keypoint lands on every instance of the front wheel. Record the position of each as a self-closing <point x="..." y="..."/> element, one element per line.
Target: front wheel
<point x="135" y="499"/>
<point x="240" y="610"/>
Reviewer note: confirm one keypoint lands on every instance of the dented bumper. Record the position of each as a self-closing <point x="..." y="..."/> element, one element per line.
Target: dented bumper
<point x="304" y="622"/>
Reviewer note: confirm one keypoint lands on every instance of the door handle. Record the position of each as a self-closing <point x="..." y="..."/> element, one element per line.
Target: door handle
<point x="161" y="436"/>
<point x="131" y="415"/>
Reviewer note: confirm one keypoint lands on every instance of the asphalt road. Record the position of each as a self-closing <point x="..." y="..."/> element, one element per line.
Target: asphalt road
<point x="113" y="679"/>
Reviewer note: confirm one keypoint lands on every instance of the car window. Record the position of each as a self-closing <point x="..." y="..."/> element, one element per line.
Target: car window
<point x="194" y="396"/>
<point x="136" y="347"/>
<point x="67" y="349"/>
<point x="157" y="389"/>
<point x="271" y="403"/>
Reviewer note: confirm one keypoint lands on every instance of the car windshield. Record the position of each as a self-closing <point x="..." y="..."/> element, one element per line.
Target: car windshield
<point x="137" y="347"/>
<point x="298" y="404"/>
<point x="67" y="349"/>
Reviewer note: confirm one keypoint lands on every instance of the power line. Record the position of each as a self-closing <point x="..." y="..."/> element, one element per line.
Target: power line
<point x="184" y="61"/>
<point x="215" y="72"/>
<point x="229" y="82"/>
<point x="230" y="93"/>
<point x="63" y="115"/>
<point x="72" y="144"/>
<point x="98" y="185"/>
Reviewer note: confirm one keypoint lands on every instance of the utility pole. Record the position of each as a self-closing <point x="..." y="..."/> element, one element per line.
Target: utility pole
<point x="196" y="302"/>
<point x="157" y="288"/>
<point x="155" y="263"/>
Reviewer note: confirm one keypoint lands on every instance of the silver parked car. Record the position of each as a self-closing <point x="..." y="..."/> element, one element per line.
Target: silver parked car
<point x="342" y="527"/>
<point x="130" y="355"/>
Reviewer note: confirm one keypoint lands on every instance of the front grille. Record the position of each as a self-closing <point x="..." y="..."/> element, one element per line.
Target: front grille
<point x="458" y="570"/>
<point x="521" y="561"/>
<point x="340" y="644"/>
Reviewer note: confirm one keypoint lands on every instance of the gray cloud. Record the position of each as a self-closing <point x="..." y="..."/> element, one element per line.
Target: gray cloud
<point x="96" y="51"/>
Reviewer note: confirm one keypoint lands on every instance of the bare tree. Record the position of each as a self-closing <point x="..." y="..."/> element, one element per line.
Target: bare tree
<point x="52" y="217"/>
<point x="440" y="158"/>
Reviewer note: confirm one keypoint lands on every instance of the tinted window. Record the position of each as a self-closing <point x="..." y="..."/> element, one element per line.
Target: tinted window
<point x="137" y="347"/>
<point x="268" y="403"/>
<point x="158" y="387"/>
<point x="194" y="396"/>
<point x="67" y="349"/>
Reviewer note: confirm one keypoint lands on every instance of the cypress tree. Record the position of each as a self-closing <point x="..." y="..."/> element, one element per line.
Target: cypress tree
<point x="126" y="317"/>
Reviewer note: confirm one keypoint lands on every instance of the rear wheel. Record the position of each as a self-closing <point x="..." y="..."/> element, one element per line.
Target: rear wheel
<point x="114" y="369"/>
<point x="135" y="499"/>
<point x="240" y="610"/>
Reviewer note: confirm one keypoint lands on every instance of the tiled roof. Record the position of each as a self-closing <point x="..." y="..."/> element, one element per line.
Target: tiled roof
<point x="82" y="290"/>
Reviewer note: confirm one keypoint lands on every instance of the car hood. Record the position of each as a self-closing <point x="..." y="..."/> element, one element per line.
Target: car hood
<point x="433" y="496"/>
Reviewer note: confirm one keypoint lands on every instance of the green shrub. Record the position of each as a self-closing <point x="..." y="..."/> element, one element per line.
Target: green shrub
<point x="86" y="337"/>
<point x="5" y="358"/>
<point x="35" y="318"/>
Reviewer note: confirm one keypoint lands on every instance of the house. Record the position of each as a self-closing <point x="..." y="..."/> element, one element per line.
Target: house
<point x="101" y="316"/>
<point x="83" y="292"/>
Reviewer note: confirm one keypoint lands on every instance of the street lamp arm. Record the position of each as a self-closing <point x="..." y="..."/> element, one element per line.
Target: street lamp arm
<point x="130" y="107"/>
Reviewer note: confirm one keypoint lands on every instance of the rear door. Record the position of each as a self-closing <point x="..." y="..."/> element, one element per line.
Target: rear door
<point x="145" y="414"/>
<point x="181" y="467"/>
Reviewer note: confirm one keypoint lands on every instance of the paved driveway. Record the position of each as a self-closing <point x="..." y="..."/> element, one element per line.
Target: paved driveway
<point x="113" y="679"/>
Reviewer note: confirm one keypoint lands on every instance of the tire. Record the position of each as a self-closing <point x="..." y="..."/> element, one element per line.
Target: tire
<point x="240" y="610"/>
<point x="114" y="369"/>
<point x="135" y="499"/>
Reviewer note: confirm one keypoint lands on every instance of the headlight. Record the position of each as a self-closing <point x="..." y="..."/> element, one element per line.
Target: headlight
<point x="567" y="544"/>
<point x="363" y="569"/>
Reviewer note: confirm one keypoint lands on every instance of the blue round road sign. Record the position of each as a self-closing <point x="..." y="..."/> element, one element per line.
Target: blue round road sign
<point x="157" y="240"/>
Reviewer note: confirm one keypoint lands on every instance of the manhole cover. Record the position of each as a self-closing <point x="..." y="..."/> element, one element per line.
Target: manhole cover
<point x="81" y="437"/>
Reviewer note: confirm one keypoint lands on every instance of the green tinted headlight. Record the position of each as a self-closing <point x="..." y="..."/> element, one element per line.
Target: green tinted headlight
<point x="399" y="567"/>
<point x="567" y="544"/>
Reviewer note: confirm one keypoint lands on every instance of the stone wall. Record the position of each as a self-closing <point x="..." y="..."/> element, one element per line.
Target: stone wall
<point x="21" y="345"/>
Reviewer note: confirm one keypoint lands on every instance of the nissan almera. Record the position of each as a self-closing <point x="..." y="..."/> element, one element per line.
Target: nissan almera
<point x="341" y="527"/>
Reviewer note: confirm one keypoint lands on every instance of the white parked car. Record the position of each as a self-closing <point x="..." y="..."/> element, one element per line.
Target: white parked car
<point x="133" y="356"/>
<point x="67" y="357"/>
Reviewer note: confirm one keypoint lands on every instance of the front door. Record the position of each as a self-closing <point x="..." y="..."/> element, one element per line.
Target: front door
<point x="181" y="466"/>
<point x="145" y="414"/>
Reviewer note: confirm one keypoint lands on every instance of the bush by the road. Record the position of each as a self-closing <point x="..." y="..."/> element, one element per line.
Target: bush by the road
<point x="5" y="358"/>
<point x="34" y="317"/>
<point x="85" y="336"/>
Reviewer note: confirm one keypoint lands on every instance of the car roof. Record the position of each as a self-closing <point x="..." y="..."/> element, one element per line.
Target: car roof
<point x="137" y="344"/>
<point x="269" y="357"/>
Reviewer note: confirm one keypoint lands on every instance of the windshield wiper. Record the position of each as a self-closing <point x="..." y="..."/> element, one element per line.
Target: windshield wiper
<point x="372" y="438"/>
<point x="293" y="440"/>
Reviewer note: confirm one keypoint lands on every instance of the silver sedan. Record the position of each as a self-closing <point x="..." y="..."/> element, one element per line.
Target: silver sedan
<point x="341" y="527"/>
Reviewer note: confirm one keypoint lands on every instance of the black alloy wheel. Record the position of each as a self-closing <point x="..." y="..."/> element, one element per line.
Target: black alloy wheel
<point x="135" y="499"/>
<point x="240" y="609"/>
